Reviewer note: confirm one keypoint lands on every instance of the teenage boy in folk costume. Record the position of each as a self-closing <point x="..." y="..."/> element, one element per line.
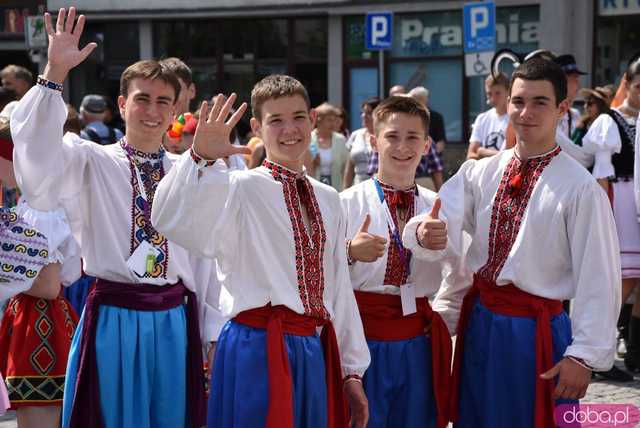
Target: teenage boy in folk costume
<point x="137" y="350"/>
<point x="408" y="380"/>
<point x="541" y="231"/>
<point x="269" y="367"/>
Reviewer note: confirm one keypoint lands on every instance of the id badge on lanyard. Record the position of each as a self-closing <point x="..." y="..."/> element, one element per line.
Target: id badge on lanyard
<point x="143" y="259"/>
<point x="407" y="291"/>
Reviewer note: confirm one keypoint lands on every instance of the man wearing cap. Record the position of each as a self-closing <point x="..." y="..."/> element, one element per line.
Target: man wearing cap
<point x="567" y="123"/>
<point x="93" y="113"/>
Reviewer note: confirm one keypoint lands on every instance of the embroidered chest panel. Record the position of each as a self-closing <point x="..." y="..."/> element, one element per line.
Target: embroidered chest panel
<point x="150" y="167"/>
<point x="512" y="198"/>
<point x="397" y="270"/>
<point x="309" y="241"/>
<point x="24" y="250"/>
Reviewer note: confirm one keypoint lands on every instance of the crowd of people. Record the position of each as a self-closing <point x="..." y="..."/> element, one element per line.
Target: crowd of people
<point x="306" y="275"/>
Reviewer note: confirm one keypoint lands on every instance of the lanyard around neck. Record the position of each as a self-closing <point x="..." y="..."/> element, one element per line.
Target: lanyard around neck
<point x="405" y="256"/>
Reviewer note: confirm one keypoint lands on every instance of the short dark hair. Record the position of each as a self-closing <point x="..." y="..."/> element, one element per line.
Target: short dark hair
<point x="400" y="104"/>
<point x="542" y="69"/>
<point x="273" y="87"/>
<point x="181" y="69"/>
<point x="149" y="70"/>
<point x="372" y="103"/>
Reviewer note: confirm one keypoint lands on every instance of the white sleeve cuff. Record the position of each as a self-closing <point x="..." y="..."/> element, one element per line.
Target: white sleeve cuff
<point x="603" y="168"/>
<point x="410" y="241"/>
<point x="600" y="359"/>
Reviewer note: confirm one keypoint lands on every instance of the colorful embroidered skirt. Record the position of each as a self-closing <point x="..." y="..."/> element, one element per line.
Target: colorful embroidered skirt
<point x="35" y="338"/>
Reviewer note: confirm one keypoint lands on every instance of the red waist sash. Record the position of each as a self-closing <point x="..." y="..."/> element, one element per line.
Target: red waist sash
<point x="382" y="319"/>
<point x="511" y="301"/>
<point x="278" y="320"/>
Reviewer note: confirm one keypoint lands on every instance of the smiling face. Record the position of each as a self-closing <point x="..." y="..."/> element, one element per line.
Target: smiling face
<point x="285" y="128"/>
<point x="534" y="112"/>
<point x="400" y="141"/>
<point x="148" y="109"/>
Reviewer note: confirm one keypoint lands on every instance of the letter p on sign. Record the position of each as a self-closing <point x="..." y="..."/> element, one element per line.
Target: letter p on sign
<point x="479" y="20"/>
<point x="378" y="30"/>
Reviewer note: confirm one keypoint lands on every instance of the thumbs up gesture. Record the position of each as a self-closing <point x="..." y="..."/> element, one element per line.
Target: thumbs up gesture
<point x="366" y="247"/>
<point x="432" y="232"/>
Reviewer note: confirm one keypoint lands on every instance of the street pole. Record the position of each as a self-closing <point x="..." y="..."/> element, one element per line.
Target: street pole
<point x="381" y="74"/>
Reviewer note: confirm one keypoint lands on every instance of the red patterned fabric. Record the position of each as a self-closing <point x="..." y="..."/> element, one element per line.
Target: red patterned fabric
<point x="402" y="201"/>
<point x="278" y="321"/>
<point x="35" y="338"/>
<point x="298" y="193"/>
<point x="382" y="319"/>
<point x="517" y="183"/>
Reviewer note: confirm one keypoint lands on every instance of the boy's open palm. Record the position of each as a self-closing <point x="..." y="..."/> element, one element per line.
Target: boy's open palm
<point x="63" y="52"/>
<point x="212" y="135"/>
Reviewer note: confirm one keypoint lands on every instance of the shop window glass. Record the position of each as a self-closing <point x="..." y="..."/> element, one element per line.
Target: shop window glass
<point x="272" y="38"/>
<point x="169" y="39"/>
<point x="238" y="78"/>
<point x="122" y="42"/>
<point x="427" y="34"/>
<point x="238" y="45"/>
<point x="616" y="42"/>
<point x="311" y="39"/>
<point x="517" y="28"/>
<point x="264" y="70"/>
<point x="202" y="41"/>
<point x="314" y="77"/>
<point x="205" y="77"/>
<point x="354" y="39"/>
<point x="363" y="84"/>
<point x="443" y="78"/>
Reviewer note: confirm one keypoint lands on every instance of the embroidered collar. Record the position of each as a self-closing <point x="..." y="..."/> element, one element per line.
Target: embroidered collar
<point x="282" y="171"/>
<point x="139" y="154"/>
<point x="539" y="158"/>
<point x="389" y="188"/>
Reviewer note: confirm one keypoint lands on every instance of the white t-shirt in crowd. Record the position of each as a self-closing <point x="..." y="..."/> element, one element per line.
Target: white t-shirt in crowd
<point x="489" y="129"/>
<point x="325" y="161"/>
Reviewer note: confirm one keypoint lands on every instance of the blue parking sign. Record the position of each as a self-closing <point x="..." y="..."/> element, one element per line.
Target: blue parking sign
<point x="479" y="27"/>
<point x="378" y="30"/>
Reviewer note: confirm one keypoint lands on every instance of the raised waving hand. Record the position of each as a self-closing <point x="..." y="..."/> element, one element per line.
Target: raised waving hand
<point x="212" y="135"/>
<point x="64" y="53"/>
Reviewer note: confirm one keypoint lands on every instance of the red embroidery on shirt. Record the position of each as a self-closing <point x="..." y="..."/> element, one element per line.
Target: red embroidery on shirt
<point x="309" y="246"/>
<point x="518" y="181"/>
<point x="396" y="272"/>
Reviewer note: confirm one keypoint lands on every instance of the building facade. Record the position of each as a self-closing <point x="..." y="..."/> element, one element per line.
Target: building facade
<point x="230" y="44"/>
